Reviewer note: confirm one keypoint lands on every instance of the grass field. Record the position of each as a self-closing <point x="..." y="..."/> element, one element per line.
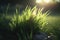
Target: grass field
<point x="53" y="26"/>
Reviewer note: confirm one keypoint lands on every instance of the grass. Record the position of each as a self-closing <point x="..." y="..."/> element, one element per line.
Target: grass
<point x="56" y="25"/>
<point x="53" y="26"/>
<point x="24" y="26"/>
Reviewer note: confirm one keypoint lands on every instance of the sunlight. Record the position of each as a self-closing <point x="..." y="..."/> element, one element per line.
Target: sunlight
<point x="38" y="1"/>
<point x="47" y="1"/>
<point x="34" y="12"/>
<point x="44" y="1"/>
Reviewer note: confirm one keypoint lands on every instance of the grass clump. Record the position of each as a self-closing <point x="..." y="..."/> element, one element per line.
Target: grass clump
<point x="31" y="21"/>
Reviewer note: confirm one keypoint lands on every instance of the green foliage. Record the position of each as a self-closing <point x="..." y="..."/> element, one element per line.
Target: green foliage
<point x="4" y="22"/>
<point x="53" y="27"/>
<point x="29" y="22"/>
<point x="26" y="24"/>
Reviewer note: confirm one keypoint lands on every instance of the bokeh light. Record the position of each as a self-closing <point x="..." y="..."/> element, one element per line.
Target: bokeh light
<point x="44" y="1"/>
<point x="47" y="1"/>
<point x="38" y="1"/>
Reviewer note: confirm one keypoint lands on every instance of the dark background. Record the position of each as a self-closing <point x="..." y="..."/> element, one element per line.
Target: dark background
<point x="55" y="9"/>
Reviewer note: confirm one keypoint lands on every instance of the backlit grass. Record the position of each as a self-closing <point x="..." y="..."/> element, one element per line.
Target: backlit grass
<point x="24" y="25"/>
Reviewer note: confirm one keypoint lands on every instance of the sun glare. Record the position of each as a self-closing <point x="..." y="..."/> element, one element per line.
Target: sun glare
<point x="38" y="1"/>
<point x="47" y="1"/>
<point x="42" y="1"/>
